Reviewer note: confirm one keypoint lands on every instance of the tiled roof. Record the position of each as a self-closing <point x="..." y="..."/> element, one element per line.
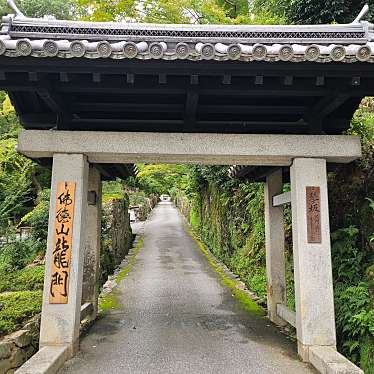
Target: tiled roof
<point x="47" y="37"/>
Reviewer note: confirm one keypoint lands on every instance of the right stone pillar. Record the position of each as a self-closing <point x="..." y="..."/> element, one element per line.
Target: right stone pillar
<point x="315" y="316"/>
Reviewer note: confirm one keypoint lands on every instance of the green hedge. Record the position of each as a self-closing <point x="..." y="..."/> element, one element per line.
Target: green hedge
<point x="28" y="279"/>
<point x="16" y="308"/>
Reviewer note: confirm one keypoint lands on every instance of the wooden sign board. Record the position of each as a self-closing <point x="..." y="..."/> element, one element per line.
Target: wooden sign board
<point x="313" y="213"/>
<point x="63" y="237"/>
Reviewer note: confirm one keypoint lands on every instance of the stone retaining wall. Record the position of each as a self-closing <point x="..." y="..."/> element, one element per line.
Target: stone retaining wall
<point x="117" y="236"/>
<point x="17" y="348"/>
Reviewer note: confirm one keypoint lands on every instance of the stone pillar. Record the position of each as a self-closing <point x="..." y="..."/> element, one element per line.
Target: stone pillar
<point x="60" y="322"/>
<point x="92" y="255"/>
<point x="315" y="317"/>
<point x="274" y="241"/>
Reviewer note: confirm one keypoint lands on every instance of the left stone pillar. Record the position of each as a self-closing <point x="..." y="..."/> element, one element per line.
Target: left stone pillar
<point x="93" y="235"/>
<point x="60" y="322"/>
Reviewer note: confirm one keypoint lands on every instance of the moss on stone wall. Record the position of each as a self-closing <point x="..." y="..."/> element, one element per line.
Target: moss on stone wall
<point x="117" y="235"/>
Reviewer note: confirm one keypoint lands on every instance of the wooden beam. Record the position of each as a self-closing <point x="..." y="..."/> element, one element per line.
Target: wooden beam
<point x="130" y="78"/>
<point x="194" y="79"/>
<point x="259" y="80"/>
<point x="288" y="80"/>
<point x="356" y="81"/>
<point x="33" y="76"/>
<point x="192" y="101"/>
<point x="320" y="81"/>
<point x="96" y="77"/>
<point x="149" y="107"/>
<point x="64" y="77"/>
<point x="253" y="109"/>
<point x="328" y="104"/>
<point x="126" y="107"/>
<point x="162" y="79"/>
<point x="226" y="79"/>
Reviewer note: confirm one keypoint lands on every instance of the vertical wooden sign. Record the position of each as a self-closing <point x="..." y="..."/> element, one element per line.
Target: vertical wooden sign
<point x="313" y="212"/>
<point x="61" y="257"/>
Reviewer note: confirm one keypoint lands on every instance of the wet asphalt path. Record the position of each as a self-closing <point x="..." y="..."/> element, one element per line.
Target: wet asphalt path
<point x="177" y="317"/>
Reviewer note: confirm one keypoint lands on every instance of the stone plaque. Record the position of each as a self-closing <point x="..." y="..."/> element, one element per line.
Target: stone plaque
<point x="61" y="257"/>
<point x="313" y="212"/>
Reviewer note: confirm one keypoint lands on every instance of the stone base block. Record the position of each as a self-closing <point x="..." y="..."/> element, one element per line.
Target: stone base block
<point x="47" y="361"/>
<point x="328" y="361"/>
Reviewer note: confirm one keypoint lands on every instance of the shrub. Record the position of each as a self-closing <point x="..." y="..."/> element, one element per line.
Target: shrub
<point x="38" y="219"/>
<point x="18" y="254"/>
<point x="347" y="259"/>
<point x="28" y="279"/>
<point x="17" y="308"/>
<point x="354" y="318"/>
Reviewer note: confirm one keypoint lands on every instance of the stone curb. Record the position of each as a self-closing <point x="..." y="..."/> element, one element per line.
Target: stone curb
<point x="329" y="361"/>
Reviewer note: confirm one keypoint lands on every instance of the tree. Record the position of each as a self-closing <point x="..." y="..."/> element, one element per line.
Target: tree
<point x="312" y="11"/>
<point x="161" y="178"/>
<point x="173" y="11"/>
<point x="61" y="9"/>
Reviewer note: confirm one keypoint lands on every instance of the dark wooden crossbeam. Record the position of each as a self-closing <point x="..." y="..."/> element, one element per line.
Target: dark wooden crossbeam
<point x="126" y="107"/>
<point x="192" y="100"/>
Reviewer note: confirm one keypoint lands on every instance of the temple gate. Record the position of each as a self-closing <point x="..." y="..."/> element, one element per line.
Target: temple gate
<point x="94" y="98"/>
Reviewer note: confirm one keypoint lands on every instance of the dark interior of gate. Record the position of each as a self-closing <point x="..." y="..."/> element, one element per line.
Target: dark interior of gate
<point x="65" y="75"/>
<point x="180" y="96"/>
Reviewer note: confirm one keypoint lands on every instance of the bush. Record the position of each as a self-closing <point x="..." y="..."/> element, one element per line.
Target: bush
<point x="354" y="319"/>
<point x="347" y="259"/>
<point x="17" y="308"/>
<point x="28" y="279"/>
<point x="38" y="219"/>
<point x="18" y="254"/>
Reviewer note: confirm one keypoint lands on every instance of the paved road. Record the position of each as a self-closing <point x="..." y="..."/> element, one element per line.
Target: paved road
<point x="177" y="317"/>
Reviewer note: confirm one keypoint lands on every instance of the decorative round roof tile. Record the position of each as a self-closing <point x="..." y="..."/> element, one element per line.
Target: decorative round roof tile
<point x="363" y="53"/>
<point x="23" y="47"/>
<point x="130" y="50"/>
<point x="156" y="50"/>
<point x="338" y="53"/>
<point x="234" y="51"/>
<point x="77" y="49"/>
<point x="182" y="50"/>
<point x="207" y="51"/>
<point x="259" y="52"/>
<point x="312" y="53"/>
<point x="50" y="48"/>
<point x="104" y="49"/>
<point x="286" y="52"/>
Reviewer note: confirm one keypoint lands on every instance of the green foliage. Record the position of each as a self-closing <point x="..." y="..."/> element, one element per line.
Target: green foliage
<point x="18" y="308"/>
<point x="15" y="181"/>
<point x="174" y="11"/>
<point x="61" y="9"/>
<point x="112" y="190"/>
<point x="311" y="11"/>
<point x="354" y="318"/>
<point x="347" y="259"/>
<point x="27" y="279"/>
<point x="161" y="178"/>
<point x="38" y="219"/>
<point x="17" y="254"/>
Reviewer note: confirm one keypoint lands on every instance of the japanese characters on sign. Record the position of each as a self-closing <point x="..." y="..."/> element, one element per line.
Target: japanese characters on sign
<point x="313" y="212"/>
<point x="61" y="256"/>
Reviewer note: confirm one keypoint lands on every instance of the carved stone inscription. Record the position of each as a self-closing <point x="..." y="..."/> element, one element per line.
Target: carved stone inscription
<point x="61" y="258"/>
<point x="313" y="212"/>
